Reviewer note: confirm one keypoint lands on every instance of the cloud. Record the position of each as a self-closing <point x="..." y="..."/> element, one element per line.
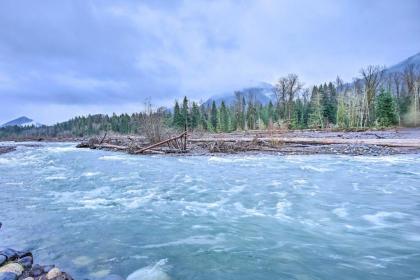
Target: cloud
<point x="113" y="54"/>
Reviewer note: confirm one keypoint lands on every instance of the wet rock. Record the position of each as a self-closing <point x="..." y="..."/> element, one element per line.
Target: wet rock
<point x="8" y="276"/>
<point x="47" y="268"/>
<point x="3" y="259"/>
<point x="10" y="254"/>
<point x="12" y="267"/>
<point x="53" y="273"/>
<point x="26" y="262"/>
<point x="63" y="276"/>
<point x="36" y="270"/>
<point x="22" y="254"/>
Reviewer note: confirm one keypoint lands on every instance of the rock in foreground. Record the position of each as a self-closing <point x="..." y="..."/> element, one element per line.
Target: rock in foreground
<point x="18" y="265"/>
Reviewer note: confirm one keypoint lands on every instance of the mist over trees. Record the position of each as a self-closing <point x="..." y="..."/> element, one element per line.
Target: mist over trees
<point x="375" y="99"/>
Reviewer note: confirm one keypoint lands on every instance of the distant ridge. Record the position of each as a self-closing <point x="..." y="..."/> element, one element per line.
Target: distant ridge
<point x="399" y="67"/>
<point x="261" y="92"/>
<point x="22" y="122"/>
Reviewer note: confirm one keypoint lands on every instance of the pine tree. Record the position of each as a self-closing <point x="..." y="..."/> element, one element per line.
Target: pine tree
<point x="185" y="112"/>
<point x="178" y="120"/>
<point x="195" y="115"/>
<point x="251" y="115"/>
<point x="224" y="118"/>
<point x="213" y="116"/>
<point x="385" y="109"/>
<point x="316" y="114"/>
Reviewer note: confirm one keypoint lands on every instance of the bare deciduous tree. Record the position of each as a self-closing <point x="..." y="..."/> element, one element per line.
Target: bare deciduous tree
<point x="285" y="91"/>
<point x="372" y="77"/>
<point x="151" y="122"/>
<point x="409" y="77"/>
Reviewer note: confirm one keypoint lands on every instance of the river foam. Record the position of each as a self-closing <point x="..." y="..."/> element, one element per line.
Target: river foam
<point x="213" y="217"/>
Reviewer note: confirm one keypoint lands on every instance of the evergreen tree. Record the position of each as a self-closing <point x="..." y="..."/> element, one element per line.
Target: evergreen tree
<point x="178" y="120"/>
<point x="224" y="118"/>
<point x="385" y="109"/>
<point x="195" y="115"/>
<point x="213" y="115"/>
<point x="185" y="112"/>
<point x="251" y="115"/>
<point x="316" y="112"/>
<point x="329" y="102"/>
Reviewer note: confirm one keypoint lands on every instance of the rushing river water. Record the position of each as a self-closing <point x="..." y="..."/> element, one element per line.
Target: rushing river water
<point x="213" y="217"/>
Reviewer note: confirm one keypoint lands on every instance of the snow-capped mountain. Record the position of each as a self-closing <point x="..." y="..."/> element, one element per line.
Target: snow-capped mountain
<point x="261" y="93"/>
<point x="22" y="121"/>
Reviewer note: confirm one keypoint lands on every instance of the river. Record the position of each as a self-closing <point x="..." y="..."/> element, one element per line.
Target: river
<point x="95" y="212"/>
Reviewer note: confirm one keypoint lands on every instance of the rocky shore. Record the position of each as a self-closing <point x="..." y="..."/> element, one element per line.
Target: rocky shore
<point x="300" y="142"/>
<point x="19" y="265"/>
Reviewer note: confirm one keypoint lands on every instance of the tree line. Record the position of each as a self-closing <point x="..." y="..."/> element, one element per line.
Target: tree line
<point x="375" y="99"/>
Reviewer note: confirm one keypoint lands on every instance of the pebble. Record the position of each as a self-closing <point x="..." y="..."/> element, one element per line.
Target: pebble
<point x="55" y="272"/>
<point x="12" y="267"/>
<point x="8" y="276"/>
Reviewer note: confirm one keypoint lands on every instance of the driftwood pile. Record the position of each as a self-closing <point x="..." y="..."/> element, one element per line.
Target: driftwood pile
<point x="137" y="144"/>
<point x="221" y="146"/>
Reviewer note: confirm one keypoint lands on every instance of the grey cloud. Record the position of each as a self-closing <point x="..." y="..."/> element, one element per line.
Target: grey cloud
<point x="113" y="54"/>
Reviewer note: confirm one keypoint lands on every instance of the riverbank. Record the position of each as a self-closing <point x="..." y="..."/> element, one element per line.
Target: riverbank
<point x="19" y="265"/>
<point x="285" y="142"/>
<point x="298" y="142"/>
<point x="16" y="264"/>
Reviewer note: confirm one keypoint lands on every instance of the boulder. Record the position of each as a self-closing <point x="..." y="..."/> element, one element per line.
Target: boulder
<point x="53" y="273"/>
<point x="8" y="276"/>
<point x="12" y="267"/>
<point x="63" y="276"/>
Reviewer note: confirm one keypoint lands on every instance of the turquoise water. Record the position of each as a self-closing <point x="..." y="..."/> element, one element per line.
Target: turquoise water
<point x="212" y="217"/>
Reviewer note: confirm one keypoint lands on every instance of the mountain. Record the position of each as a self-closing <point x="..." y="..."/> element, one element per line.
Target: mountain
<point x="261" y="92"/>
<point x="396" y="68"/>
<point x="22" y="121"/>
<point x="399" y="67"/>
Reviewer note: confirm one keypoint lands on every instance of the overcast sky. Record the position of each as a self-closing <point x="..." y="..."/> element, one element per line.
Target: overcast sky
<point x="64" y="58"/>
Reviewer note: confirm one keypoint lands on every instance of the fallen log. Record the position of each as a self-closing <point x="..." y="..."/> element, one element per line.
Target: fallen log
<point x="111" y="147"/>
<point x="160" y="143"/>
